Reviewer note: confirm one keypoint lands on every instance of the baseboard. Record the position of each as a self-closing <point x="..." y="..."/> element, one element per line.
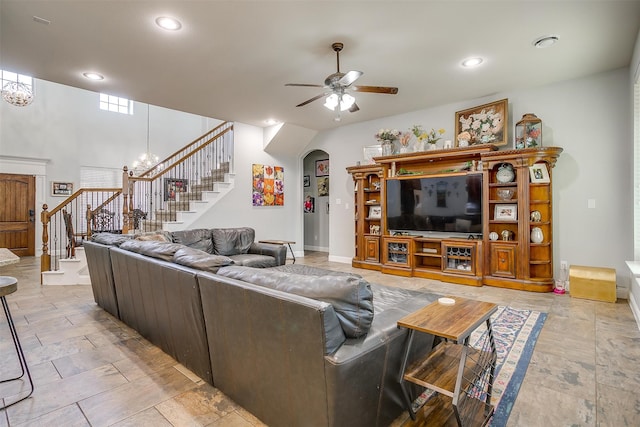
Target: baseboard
<point x="635" y="310"/>
<point x="341" y="259"/>
<point x="316" y="248"/>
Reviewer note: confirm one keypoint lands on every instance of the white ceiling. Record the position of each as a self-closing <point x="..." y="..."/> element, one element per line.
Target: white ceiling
<point x="232" y="59"/>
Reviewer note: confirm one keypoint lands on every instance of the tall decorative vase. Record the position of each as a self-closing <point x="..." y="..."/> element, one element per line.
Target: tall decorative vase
<point x="433" y="147"/>
<point x="419" y="145"/>
<point x="387" y="147"/>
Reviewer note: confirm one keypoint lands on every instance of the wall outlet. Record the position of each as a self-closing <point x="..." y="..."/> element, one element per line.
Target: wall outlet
<point x="564" y="265"/>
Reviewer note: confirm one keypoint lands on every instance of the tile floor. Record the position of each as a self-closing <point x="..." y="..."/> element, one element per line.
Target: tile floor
<point x="91" y="370"/>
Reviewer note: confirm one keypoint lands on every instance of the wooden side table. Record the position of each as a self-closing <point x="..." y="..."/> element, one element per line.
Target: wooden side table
<point x="282" y="242"/>
<point x="453" y="368"/>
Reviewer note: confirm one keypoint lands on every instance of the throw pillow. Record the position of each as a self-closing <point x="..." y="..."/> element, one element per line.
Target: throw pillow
<point x="157" y="236"/>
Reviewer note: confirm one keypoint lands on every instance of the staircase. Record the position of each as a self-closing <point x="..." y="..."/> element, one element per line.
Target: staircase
<point x="179" y="214"/>
<point x="72" y="271"/>
<point x="170" y="196"/>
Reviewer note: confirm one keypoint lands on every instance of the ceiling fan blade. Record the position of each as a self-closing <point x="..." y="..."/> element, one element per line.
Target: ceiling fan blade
<point x="376" y="89"/>
<point x="311" y="100"/>
<point x="354" y="108"/>
<point x="302" y="84"/>
<point x="349" y="78"/>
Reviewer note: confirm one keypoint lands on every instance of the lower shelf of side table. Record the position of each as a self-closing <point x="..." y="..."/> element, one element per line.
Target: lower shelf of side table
<point x="439" y="372"/>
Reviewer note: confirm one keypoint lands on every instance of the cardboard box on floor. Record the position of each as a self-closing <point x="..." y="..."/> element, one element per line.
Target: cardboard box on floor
<point x="594" y="283"/>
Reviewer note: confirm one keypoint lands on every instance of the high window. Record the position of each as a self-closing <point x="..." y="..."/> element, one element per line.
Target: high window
<point x="9" y="76"/>
<point x="116" y="104"/>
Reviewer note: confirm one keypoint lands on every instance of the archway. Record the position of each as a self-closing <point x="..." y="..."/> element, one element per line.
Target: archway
<point x="316" y="201"/>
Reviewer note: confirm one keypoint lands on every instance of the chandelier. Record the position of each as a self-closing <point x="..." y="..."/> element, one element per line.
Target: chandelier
<point x="146" y="160"/>
<point x="18" y="94"/>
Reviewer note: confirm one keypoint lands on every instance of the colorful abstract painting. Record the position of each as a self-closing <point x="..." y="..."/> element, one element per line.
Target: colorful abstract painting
<point x="268" y="185"/>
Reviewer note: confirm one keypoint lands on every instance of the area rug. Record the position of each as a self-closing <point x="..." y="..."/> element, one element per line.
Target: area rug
<point x="515" y="333"/>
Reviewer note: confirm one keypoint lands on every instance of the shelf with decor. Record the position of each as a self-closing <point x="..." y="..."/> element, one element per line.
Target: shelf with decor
<point x="367" y="215"/>
<point x="519" y="225"/>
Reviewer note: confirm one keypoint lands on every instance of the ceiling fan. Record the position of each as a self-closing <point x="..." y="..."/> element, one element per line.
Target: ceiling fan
<point x="338" y="85"/>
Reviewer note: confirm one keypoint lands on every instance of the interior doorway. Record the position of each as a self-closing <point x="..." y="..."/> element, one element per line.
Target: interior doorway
<point x="17" y="213"/>
<point x="316" y="190"/>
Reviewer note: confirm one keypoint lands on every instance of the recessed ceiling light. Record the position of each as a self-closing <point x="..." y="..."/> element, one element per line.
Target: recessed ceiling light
<point x="271" y="122"/>
<point x="545" y="41"/>
<point x="93" y="76"/>
<point x="472" y="62"/>
<point x="168" y="23"/>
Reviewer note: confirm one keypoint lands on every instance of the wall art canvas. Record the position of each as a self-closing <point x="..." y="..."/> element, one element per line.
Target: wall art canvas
<point x="322" y="167"/>
<point x="61" y="188"/>
<point x="173" y="187"/>
<point x="323" y="186"/>
<point x="484" y="124"/>
<point x="268" y="185"/>
<point x="309" y="204"/>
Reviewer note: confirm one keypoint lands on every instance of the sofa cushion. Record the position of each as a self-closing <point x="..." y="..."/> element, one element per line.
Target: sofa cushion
<point x="350" y="296"/>
<point x="232" y="241"/>
<point x="161" y="250"/>
<point x="195" y="258"/>
<point x="110" y="239"/>
<point x="198" y="238"/>
<point x="254" y="260"/>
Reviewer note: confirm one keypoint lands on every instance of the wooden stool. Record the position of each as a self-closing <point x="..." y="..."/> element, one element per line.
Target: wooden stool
<point x="9" y="285"/>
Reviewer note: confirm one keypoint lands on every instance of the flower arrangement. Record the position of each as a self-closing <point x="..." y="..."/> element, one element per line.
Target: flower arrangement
<point x="387" y="134"/>
<point x="431" y="136"/>
<point x="404" y="139"/>
<point x="483" y="127"/>
<point x="533" y="133"/>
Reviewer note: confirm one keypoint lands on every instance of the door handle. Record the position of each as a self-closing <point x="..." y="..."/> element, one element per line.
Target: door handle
<point x="32" y="212"/>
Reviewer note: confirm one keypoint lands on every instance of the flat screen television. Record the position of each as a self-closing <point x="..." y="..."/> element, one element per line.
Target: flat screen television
<point x="444" y="204"/>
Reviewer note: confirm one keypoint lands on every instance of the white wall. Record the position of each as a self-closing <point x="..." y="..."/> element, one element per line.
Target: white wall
<point x="65" y="127"/>
<point x="236" y="209"/>
<point x="588" y="117"/>
<point x="634" y="77"/>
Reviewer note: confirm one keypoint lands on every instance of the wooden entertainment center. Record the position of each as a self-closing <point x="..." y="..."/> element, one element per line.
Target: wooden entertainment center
<point x="512" y="247"/>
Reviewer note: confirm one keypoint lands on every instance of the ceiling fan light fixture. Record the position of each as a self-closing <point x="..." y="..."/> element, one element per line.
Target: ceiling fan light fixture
<point x="346" y="101"/>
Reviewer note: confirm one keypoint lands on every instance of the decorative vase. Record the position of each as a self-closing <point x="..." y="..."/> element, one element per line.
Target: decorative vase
<point x="419" y="145"/>
<point x="404" y="149"/>
<point x="387" y="147"/>
<point x="432" y="146"/>
<point x="536" y="235"/>
<point x="463" y="143"/>
<point x="505" y="173"/>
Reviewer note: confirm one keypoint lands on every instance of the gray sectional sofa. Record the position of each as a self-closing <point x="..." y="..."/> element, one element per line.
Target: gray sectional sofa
<point x="291" y="344"/>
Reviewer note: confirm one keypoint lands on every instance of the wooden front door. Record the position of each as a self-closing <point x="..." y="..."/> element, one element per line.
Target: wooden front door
<point x="17" y="213"/>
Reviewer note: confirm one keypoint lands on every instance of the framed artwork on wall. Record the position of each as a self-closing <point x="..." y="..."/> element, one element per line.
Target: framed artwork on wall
<point x="323" y="186"/>
<point x="306" y="181"/>
<point x="484" y="124"/>
<point x="173" y="187"/>
<point x="268" y="185"/>
<point x="322" y="167"/>
<point x="61" y="189"/>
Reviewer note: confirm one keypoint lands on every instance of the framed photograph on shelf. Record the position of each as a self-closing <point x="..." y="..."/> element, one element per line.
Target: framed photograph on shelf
<point x="539" y="174"/>
<point x="484" y="124"/>
<point x="505" y="213"/>
<point x="306" y="181"/>
<point x="322" y="167"/>
<point x="371" y="151"/>
<point x="61" y="189"/>
<point x="375" y="212"/>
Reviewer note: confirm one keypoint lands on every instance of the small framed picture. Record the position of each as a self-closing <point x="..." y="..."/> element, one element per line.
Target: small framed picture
<point x="322" y="167"/>
<point x="61" y="189"/>
<point x="306" y="181"/>
<point x="539" y="173"/>
<point x="506" y="213"/>
<point x="375" y="212"/>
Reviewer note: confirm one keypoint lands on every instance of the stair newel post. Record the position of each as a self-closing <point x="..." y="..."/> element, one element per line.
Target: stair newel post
<point x="125" y="204"/>
<point x="45" y="259"/>
<point x="132" y="183"/>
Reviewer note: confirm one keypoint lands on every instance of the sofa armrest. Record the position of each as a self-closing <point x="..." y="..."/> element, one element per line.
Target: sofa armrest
<point x="279" y="252"/>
